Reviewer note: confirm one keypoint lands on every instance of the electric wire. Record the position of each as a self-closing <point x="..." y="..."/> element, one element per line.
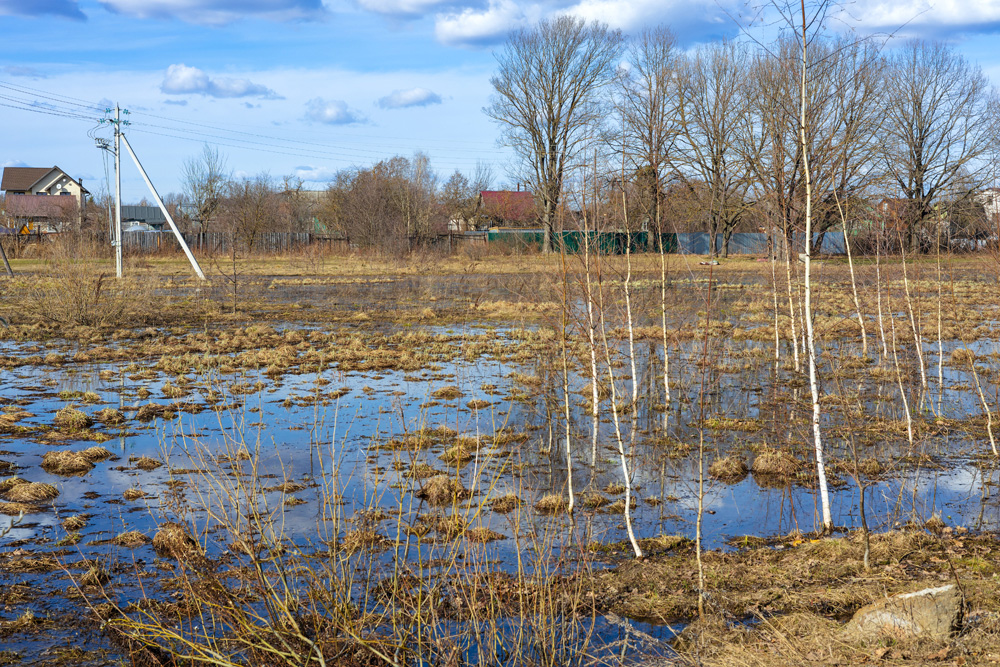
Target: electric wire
<point x="76" y="108"/>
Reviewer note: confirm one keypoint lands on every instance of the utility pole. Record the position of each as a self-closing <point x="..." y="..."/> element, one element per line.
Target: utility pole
<point x="117" y="235"/>
<point x="118" y="194"/>
<point x="159" y="202"/>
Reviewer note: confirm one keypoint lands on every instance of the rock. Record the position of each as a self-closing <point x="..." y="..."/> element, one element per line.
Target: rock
<point x="933" y="613"/>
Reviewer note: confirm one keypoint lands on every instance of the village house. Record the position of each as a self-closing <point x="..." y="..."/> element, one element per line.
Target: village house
<point x="41" y="200"/>
<point x="506" y="208"/>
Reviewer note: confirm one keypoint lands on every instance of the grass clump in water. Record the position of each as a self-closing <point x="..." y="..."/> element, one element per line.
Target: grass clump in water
<point x="173" y="541"/>
<point x="71" y="419"/>
<point x="552" y="503"/>
<point x="111" y="416"/>
<point x="774" y="464"/>
<point x="729" y="469"/>
<point x="505" y="503"/>
<point x="442" y="490"/>
<point x="32" y="492"/>
<point x="67" y="463"/>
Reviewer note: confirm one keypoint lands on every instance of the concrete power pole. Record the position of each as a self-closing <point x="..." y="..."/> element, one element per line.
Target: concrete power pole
<point x="118" y="193"/>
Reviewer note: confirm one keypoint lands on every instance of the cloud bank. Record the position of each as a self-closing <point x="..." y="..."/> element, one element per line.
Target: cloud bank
<point x="183" y="80"/>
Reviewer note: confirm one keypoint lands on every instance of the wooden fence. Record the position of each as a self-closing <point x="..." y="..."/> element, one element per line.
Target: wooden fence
<point x="264" y="243"/>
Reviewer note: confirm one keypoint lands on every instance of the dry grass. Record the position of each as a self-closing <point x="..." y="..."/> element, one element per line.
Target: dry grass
<point x="14" y="509"/>
<point x="505" y="503"/>
<point x="173" y="541"/>
<point x="775" y="464"/>
<point x="32" y="492"/>
<point x="447" y="393"/>
<point x="442" y="490"/>
<point x="729" y="469"/>
<point x="482" y="534"/>
<point x="95" y="576"/>
<point x="552" y="503"/>
<point x="71" y="419"/>
<point x="74" y="523"/>
<point x="133" y="494"/>
<point x="110" y="416"/>
<point x="66" y="463"/>
<point x="145" y="463"/>
<point x="95" y="454"/>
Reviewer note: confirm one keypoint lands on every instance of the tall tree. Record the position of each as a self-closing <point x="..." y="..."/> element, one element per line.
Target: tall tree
<point x="547" y="99"/>
<point x="713" y="112"/>
<point x="206" y="180"/>
<point x="646" y="102"/>
<point x="940" y="124"/>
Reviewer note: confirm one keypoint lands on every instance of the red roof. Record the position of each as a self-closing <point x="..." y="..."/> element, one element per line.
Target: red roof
<point x="509" y="205"/>
<point x="42" y="206"/>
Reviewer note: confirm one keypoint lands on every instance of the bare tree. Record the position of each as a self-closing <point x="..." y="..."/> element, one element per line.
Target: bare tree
<point x="713" y="112"/>
<point x="645" y="101"/>
<point x="547" y="99"/>
<point x="460" y="194"/>
<point x="252" y="206"/>
<point x="939" y="126"/>
<point x="205" y="181"/>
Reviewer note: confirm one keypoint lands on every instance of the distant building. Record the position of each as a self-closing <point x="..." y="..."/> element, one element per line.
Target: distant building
<point x="989" y="199"/>
<point x="43" y="199"/>
<point x="506" y="208"/>
<point x="143" y="218"/>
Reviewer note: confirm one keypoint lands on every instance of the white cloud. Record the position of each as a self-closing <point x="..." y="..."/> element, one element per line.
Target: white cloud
<point x="691" y="20"/>
<point x="311" y="174"/>
<point x="472" y="27"/>
<point x="412" y="97"/>
<point x="923" y="16"/>
<point x="13" y="163"/>
<point x="216" y="12"/>
<point x="67" y="8"/>
<point x="331" y="112"/>
<point x="404" y="7"/>
<point x="183" y="80"/>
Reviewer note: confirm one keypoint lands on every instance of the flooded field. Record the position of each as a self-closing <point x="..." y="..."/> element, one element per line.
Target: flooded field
<point x="377" y="470"/>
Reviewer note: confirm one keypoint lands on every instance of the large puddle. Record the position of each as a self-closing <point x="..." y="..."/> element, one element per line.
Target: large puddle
<point x="361" y="440"/>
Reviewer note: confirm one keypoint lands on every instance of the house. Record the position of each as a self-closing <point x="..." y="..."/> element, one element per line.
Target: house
<point x="989" y="199"/>
<point x="143" y="218"/>
<point x="43" y="199"/>
<point x="506" y="208"/>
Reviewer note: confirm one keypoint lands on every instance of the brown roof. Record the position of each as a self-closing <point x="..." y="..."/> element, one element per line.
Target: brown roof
<point x="509" y="205"/>
<point x="41" y="206"/>
<point x="22" y="178"/>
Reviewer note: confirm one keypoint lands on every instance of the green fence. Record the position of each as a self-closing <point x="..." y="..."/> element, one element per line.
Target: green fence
<point x="607" y="243"/>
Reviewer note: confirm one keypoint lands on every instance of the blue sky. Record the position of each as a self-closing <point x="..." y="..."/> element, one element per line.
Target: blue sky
<point x="307" y="87"/>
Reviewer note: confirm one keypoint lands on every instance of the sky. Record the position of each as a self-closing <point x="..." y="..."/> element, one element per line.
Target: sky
<point x="308" y="87"/>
